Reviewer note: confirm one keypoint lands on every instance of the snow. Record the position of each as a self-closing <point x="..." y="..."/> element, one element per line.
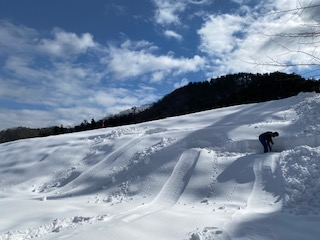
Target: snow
<point x="201" y="176"/>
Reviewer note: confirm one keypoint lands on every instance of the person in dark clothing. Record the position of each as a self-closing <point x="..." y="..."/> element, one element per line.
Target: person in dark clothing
<point x="266" y="140"/>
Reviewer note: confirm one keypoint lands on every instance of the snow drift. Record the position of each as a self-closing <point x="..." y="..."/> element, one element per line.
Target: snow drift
<point x="198" y="176"/>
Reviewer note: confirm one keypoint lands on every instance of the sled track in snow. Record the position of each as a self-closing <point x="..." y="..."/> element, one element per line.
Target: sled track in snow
<point x="179" y="178"/>
<point x="105" y="163"/>
<point x="171" y="190"/>
<point x="268" y="185"/>
<point x="265" y="198"/>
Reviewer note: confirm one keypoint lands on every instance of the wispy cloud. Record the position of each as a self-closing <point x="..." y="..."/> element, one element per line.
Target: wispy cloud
<point x="182" y="83"/>
<point x="251" y="41"/>
<point x="167" y="11"/>
<point x="169" y="14"/>
<point x="218" y="34"/>
<point x="65" y="44"/>
<point x="73" y="77"/>
<point x="19" y="39"/>
<point x="130" y="60"/>
<point x="172" y="34"/>
<point x="66" y="77"/>
<point x="248" y="39"/>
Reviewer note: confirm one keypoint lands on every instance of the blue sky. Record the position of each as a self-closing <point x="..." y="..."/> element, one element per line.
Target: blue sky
<point x="64" y="61"/>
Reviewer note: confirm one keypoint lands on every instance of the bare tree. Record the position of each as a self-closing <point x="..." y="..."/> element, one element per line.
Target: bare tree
<point x="301" y="43"/>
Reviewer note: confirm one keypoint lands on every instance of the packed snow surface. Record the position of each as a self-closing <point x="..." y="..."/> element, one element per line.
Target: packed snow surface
<point x="194" y="177"/>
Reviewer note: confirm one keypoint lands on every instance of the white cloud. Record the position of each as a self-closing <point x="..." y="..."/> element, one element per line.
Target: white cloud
<point x="147" y="94"/>
<point x="125" y="63"/>
<point x="20" y="66"/>
<point x="46" y="72"/>
<point x="218" y="34"/>
<point x="26" y="117"/>
<point x="251" y="41"/>
<point x="45" y="92"/>
<point x="240" y="1"/>
<point x="115" y="100"/>
<point x="167" y="11"/>
<point x="65" y="44"/>
<point x="157" y="76"/>
<point x="200" y="2"/>
<point x="182" y="83"/>
<point x="70" y="110"/>
<point x="19" y="39"/>
<point x="43" y="118"/>
<point x="284" y="5"/>
<point x="45" y="76"/>
<point x="172" y="34"/>
<point x="60" y="84"/>
<point x="114" y="96"/>
<point x="139" y="45"/>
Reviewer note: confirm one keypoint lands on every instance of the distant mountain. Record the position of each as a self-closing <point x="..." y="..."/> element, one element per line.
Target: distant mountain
<point x="17" y="133"/>
<point x="13" y="134"/>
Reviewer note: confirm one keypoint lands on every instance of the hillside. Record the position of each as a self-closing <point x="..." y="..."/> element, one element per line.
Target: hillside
<point x="201" y="176"/>
<point x="229" y="90"/>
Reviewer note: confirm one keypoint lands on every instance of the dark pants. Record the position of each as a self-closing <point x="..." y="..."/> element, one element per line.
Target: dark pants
<point x="264" y="144"/>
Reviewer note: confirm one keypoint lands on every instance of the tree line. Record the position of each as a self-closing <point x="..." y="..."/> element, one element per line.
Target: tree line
<point x="224" y="91"/>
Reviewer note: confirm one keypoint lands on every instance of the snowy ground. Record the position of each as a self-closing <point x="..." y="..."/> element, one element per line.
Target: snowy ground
<point x="194" y="177"/>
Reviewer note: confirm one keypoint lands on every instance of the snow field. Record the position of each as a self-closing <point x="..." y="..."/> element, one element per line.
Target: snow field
<point x="199" y="176"/>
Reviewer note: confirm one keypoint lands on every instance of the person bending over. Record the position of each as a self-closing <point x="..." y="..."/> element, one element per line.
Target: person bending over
<point x="266" y="140"/>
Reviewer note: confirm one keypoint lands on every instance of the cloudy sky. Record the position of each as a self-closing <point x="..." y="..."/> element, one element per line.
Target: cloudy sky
<point x="64" y="61"/>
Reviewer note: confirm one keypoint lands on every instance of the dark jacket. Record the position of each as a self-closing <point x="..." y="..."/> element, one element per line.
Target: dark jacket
<point x="267" y="136"/>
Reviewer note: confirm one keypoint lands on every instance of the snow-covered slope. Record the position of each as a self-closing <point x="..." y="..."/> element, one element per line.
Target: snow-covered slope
<point x="198" y="176"/>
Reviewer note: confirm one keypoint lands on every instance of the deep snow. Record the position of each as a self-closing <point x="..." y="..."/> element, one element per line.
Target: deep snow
<point x="193" y="177"/>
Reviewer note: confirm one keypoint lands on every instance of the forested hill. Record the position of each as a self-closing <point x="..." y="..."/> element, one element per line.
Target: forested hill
<point x="230" y="90"/>
<point x="224" y="91"/>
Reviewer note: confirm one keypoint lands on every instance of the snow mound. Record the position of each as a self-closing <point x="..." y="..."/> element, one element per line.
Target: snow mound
<point x="301" y="172"/>
<point x="307" y="120"/>
<point x="207" y="233"/>
<point x="55" y="226"/>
